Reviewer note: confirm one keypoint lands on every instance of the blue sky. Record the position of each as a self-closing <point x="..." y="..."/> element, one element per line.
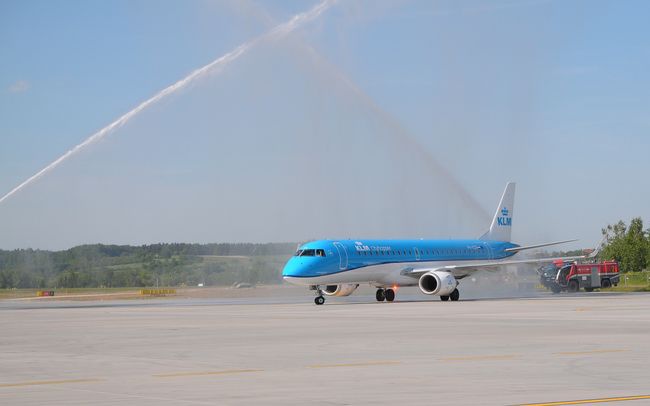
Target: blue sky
<point x="552" y="94"/>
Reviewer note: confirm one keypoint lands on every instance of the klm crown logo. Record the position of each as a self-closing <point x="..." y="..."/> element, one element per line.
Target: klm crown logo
<point x="504" y="220"/>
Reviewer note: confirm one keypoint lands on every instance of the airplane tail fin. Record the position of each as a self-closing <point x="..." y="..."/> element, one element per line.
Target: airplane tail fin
<point x="502" y="221"/>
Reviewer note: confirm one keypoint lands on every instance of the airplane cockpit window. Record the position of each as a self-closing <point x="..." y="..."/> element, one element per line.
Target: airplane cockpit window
<point x="307" y="253"/>
<point x="320" y="253"/>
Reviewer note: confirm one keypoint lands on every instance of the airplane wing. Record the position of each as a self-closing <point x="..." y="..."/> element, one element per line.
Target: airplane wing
<point x="462" y="270"/>
<point x="530" y="247"/>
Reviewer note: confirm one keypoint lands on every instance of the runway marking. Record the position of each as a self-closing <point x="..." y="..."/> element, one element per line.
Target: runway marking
<point x="585" y="401"/>
<point x="481" y="358"/>
<point x="589" y="352"/>
<point x="206" y="373"/>
<point x="34" y="383"/>
<point x="355" y="364"/>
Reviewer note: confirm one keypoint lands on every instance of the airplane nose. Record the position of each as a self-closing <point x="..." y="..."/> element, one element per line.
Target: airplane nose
<point x="290" y="273"/>
<point x="290" y="269"/>
<point x="295" y="268"/>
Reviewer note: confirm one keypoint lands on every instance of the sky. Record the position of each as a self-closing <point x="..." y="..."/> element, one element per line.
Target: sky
<point x="379" y="119"/>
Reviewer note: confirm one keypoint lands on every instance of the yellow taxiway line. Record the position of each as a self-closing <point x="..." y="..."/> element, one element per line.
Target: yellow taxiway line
<point x="207" y="373"/>
<point x="356" y="364"/>
<point x="34" y="383"/>
<point x="586" y="401"/>
<point x="589" y="352"/>
<point x="481" y="358"/>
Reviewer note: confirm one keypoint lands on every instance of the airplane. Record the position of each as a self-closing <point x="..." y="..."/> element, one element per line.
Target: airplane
<point x="337" y="267"/>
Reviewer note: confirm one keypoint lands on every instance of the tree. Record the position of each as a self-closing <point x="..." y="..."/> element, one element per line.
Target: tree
<point x="630" y="246"/>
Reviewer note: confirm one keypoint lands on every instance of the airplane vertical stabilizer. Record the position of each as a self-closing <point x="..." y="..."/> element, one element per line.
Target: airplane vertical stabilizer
<point x="502" y="222"/>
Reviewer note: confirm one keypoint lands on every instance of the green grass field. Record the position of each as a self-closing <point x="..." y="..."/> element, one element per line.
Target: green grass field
<point x="633" y="282"/>
<point x="21" y="293"/>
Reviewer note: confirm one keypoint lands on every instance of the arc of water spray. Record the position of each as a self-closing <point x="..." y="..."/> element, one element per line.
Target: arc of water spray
<point x="389" y="120"/>
<point x="213" y="67"/>
<point x="416" y="148"/>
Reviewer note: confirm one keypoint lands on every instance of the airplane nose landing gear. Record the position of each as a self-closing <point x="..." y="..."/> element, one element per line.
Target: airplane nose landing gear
<point x="319" y="299"/>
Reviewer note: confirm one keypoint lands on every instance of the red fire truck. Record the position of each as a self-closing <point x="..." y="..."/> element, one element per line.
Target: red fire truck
<point x="574" y="276"/>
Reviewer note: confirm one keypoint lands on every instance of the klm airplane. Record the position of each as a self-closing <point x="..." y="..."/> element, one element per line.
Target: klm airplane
<point x="337" y="267"/>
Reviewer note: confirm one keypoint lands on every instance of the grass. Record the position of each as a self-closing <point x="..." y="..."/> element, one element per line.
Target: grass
<point x="633" y="282"/>
<point x="20" y="293"/>
<point x="629" y="288"/>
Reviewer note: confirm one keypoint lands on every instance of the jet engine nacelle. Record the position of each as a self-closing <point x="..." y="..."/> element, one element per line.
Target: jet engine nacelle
<point x="340" y="290"/>
<point x="437" y="283"/>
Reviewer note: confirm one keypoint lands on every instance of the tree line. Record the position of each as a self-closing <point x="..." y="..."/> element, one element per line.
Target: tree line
<point x="101" y="265"/>
<point x="179" y="264"/>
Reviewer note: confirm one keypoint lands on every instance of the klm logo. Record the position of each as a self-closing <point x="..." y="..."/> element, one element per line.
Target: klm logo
<point x="504" y="220"/>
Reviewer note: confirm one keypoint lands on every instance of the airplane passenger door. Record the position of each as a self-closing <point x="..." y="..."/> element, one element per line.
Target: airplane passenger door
<point x="343" y="255"/>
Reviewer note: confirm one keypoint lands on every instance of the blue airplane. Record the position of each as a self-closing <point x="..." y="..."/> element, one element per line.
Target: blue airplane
<point x="337" y="267"/>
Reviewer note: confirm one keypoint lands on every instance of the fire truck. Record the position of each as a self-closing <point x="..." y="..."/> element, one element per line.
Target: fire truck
<point x="573" y="276"/>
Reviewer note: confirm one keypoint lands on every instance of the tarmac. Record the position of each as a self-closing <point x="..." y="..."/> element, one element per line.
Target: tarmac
<point x="570" y="349"/>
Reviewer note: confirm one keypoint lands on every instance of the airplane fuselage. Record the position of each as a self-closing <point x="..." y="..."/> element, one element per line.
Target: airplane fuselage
<point x="383" y="262"/>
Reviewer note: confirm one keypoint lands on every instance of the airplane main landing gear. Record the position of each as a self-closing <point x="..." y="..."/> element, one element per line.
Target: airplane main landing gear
<point x="385" y="294"/>
<point x="455" y="295"/>
<point x="390" y="295"/>
<point x="380" y="295"/>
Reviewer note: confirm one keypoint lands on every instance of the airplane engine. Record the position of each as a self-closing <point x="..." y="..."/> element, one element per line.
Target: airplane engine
<point x="340" y="290"/>
<point x="437" y="283"/>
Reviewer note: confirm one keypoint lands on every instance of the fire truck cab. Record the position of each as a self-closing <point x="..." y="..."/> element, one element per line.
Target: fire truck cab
<point x="573" y="277"/>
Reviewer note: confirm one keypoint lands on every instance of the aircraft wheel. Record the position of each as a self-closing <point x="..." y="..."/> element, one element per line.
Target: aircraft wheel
<point x="319" y="300"/>
<point x="444" y="298"/>
<point x="380" y="296"/>
<point x="455" y="295"/>
<point x="389" y="294"/>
